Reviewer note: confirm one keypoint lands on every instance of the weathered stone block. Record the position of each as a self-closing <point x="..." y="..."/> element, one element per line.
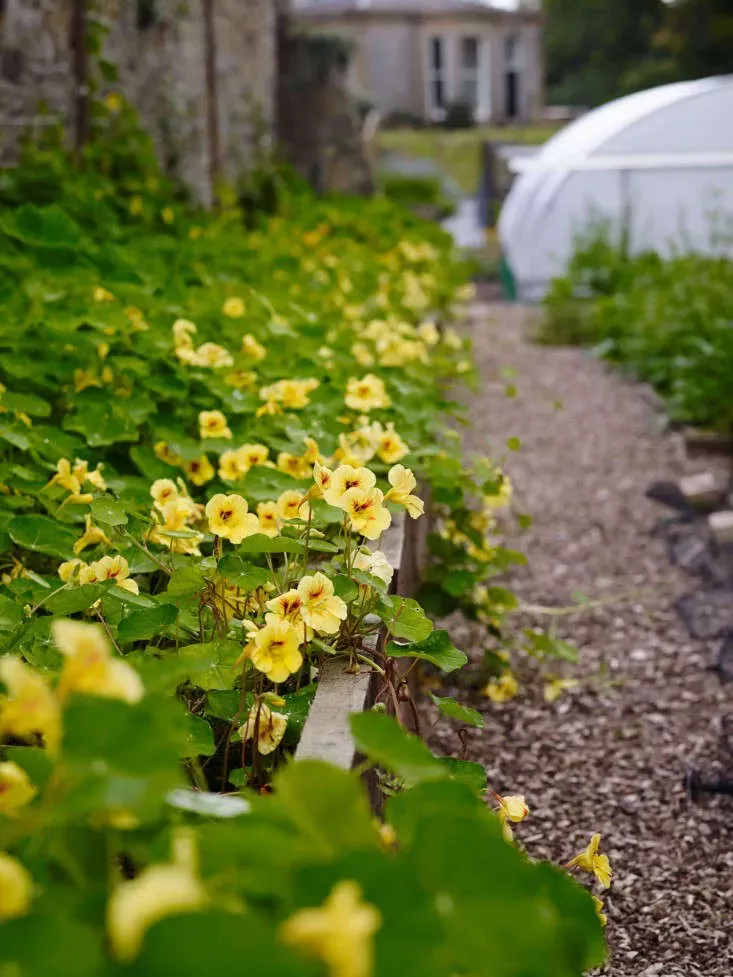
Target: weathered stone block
<point x="721" y="527"/>
<point x="704" y="490"/>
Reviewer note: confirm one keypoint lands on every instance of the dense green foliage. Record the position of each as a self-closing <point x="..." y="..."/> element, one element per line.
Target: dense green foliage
<point x="668" y="321"/>
<point x="417" y="192"/>
<point x="600" y="49"/>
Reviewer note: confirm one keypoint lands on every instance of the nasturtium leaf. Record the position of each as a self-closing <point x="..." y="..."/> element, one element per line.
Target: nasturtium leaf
<point x="455" y="710"/>
<point x="264" y="544"/>
<point x="42" y="227"/>
<point x="141" y="739"/>
<point x="228" y="704"/>
<point x="322" y="545"/>
<point x="369" y="580"/>
<point x="101" y="427"/>
<point x="77" y="948"/>
<point x="43" y="535"/>
<point x="296" y="708"/>
<point x="11" y="614"/>
<point x="72" y="600"/>
<point x="109" y="511"/>
<point x="471" y="774"/>
<point x="27" y="403"/>
<point x="147" y="623"/>
<point x="381" y="738"/>
<point x="437" y="648"/>
<point x="220" y="674"/>
<point x="345" y="588"/>
<point x="404" y="618"/>
<point x="192" y="944"/>
<point x="459" y="582"/>
<point x="200" y="738"/>
<point x="327" y="806"/>
<point x="242" y="574"/>
<point x="184" y="584"/>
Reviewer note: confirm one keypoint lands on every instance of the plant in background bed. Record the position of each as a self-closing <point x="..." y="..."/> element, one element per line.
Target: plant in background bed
<point x="205" y="431"/>
<point x="666" y="320"/>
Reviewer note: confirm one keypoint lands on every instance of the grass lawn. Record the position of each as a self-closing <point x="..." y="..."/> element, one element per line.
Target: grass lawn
<point x="457" y="151"/>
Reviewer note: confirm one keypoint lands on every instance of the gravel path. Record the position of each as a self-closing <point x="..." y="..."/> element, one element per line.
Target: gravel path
<point x="611" y="755"/>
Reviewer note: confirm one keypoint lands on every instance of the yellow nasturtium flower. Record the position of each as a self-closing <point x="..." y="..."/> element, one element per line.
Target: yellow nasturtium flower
<point x="274" y="649"/>
<point x="251" y="455"/>
<point x="183" y="330"/>
<point x="213" y="424"/>
<point x="374" y="562"/>
<point x="555" y="687"/>
<point x="292" y="505"/>
<point x="366" y="512"/>
<point x="102" y="295"/>
<point x="29" y="708"/>
<point x="113" y="101"/>
<point x="342" y="480"/>
<point x="598" y="906"/>
<point x="403" y="482"/>
<point x="16" y="888"/>
<point x="70" y="570"/>
<point x="512" y="807"/>
<point x="89" y="666"/>
<point x="321" y="609"/>
<point x="340" y="932"/>
<point x="251" y="348"/>
<point x="234" y="307"/>
<point x="200" y="471"/>
<point x="114" y="568"/>
<point x="502" y="689"/>
<point x="229" y="517"/>
<point x="241" y="379"/>
<point x="268" y="514"/>
<point x="270" y="728"/>
<point x="293" y="465"/>
<point x="592" y="861"/>
<point x="163" y="491"/>
<point x="92" y="536"/>
<point x="231" y="468"/>
<point x="158" y="891"/>
<point x="366" y="394"/>
<point x="65" y="477"/>
<point x="390" y="446"/>
<point x="16" y="789"/>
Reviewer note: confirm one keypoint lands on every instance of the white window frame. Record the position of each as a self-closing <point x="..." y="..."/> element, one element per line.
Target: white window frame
<point x="470" y="75"/>
<point x="437" y="74"/>
<point x="480" y="75"/>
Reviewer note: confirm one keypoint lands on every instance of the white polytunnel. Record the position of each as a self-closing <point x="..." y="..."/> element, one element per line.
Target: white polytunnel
<point x="656" y="165"/>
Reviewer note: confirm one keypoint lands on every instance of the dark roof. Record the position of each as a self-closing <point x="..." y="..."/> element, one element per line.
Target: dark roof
<point x="326" y="8"/>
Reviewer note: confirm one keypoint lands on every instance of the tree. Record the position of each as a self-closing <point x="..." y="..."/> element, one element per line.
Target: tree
<point x="592" y="45"/>
<point x="698" y="35"/>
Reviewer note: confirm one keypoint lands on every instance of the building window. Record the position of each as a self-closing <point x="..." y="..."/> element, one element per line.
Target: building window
<point x="512" y="53"/>
<point x="436" y="73"/>
<point x="470" y="71"/>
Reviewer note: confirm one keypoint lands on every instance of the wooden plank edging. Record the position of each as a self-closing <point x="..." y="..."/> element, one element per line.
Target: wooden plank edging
<point x="326" y="734"/>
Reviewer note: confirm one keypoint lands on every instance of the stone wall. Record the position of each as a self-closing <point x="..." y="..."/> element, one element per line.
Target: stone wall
<point x="319" y="126"/>
<point x="161" y="59"/>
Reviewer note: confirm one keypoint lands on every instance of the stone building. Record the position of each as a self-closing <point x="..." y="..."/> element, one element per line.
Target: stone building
<point x="162" y="49"/>
<point x="416" y="57"/>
